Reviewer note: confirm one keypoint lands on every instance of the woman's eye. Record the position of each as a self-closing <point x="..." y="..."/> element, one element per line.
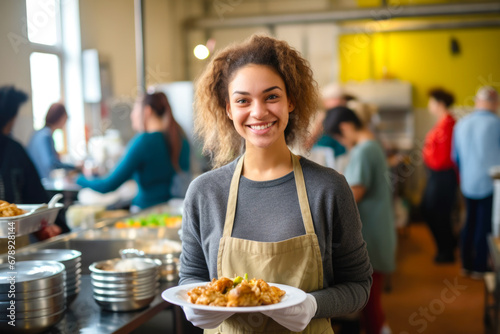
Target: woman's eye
<point x="241" y="101"/>
<point x="272" y="97"/>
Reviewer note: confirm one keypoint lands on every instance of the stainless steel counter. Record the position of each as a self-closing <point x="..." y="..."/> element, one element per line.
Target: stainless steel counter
<point x="85" y="316"/>
<point x="104" y="242"/>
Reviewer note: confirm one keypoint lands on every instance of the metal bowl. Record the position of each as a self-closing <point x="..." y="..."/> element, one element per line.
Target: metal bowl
<point x="29" y="305"/>
<point x="70" y="258"/>
<point x="65" y="256"/>
<point x="72" y="274"/>
<point x="32" y="276"/>
<point x="73" y="280"/>
<point x="126" y="287"/>
<point x="20" y="296"/>
<point x="134" y="267"/>
<point x="166" y="251"/>
<point x="41" y="312"/>
<point x="123" y="304"/>
<point x="134" y="294"/>
<point x="31" y="325"/>
<point x="121" y="283"/>
<point x="136" y="279"/>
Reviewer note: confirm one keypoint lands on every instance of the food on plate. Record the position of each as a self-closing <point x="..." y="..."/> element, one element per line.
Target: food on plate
<point x="9" y="210"/>
<point x="153" y="220"/>
<point x="235" y="292"/>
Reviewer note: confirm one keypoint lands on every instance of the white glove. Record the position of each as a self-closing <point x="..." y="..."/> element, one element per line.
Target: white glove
<point x="295" y="318"/>
<point x="205" y="319"/>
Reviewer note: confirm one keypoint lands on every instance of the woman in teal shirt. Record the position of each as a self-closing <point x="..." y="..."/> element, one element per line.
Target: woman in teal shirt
<point x="366" y="174"/>
<point x="153" y="157"/>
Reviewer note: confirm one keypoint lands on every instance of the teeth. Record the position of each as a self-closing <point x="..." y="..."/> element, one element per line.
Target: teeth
<point x="260" y="127"/>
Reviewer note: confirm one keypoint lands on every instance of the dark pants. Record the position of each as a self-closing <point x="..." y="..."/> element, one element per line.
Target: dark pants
<point x="437" y="205"/>
<point x="474" y="244"/>
<point x="373" y="314"/>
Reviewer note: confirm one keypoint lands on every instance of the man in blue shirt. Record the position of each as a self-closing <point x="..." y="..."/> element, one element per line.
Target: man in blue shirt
<point x="475" y="149"/>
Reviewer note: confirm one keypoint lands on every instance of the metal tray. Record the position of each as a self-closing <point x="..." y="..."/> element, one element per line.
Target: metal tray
<point x="33" y="220"/>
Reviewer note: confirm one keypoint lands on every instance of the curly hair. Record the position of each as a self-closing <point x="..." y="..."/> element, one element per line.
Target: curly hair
<point x="220" y="139"/>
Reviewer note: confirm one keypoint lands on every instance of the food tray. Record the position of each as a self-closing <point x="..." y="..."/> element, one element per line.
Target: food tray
<point x="33" y="220"/>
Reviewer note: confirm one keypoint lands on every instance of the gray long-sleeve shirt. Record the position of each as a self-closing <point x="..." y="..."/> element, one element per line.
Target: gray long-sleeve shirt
<point x="269" y="211"/>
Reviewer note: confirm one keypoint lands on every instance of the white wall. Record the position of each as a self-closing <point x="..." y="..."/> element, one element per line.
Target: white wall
<point x="14" y="60"/>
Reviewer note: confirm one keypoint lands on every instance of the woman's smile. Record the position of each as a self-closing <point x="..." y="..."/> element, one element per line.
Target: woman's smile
<point x="260" y="128"/>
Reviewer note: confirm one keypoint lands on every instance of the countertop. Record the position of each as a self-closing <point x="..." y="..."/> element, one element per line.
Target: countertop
<point x="85" y="316"/>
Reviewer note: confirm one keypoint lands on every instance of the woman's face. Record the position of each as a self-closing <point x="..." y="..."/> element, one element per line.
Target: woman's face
<point x="433" y="106"/>
<point x="62" y="122"/>
<point x="136" y="117"/>
<point x="258" y="106"/>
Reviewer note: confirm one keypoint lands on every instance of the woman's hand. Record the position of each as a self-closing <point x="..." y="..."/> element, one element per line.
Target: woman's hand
<point x="205" y="319"/>
<point x="48" y="232"/>
<point x="295" y="318"/>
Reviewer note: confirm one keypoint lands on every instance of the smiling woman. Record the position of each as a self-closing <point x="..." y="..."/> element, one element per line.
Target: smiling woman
<point x="270" y="214"/>
<point x="294" y="79"/>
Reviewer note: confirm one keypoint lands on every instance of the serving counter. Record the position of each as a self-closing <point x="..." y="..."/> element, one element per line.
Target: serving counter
<point x="104" y="242"/>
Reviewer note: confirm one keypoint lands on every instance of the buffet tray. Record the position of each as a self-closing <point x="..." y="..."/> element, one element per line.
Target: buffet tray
<point x="33" y="220"/>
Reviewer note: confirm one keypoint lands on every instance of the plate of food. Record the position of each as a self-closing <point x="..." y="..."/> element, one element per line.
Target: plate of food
<point x="236" y="295"/>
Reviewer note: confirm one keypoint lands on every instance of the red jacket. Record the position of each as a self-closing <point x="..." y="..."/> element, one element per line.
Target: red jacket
<point x="437" y="146"/>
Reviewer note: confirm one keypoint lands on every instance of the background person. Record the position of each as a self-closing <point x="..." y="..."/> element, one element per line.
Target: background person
<point x="332" y="96"/>
<point x="475" y="149"/>
<point x="440" y="192"/>
<point x="366" y="174"/>
<point x="19" y="180"/>
<point x="41" y="147"/>
<point x="288" y="220"/>
<point x="152" y="157"/>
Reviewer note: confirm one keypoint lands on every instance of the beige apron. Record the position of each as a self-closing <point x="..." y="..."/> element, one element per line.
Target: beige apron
<point x="296" y="262"/>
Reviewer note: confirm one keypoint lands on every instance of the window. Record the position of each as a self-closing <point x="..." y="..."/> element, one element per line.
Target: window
<point x="45" y="85"/>
<point x="42" y="21"/>
<point x="43" y="25"/>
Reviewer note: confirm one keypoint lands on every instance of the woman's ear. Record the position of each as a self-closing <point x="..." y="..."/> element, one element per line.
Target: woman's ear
<point x="291" y="106"/>
<point x="228" y="111"/>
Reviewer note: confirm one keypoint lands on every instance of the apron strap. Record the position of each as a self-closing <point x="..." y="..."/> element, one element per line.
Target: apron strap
<point x="233" y="198"/>
<point x="301" y="192"/>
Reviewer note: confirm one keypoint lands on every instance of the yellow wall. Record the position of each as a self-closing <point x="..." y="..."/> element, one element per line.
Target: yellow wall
<point x="424" y="58"/>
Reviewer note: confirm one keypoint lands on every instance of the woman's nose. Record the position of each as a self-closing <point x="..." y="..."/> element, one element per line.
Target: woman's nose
<point x="259" y="110"/>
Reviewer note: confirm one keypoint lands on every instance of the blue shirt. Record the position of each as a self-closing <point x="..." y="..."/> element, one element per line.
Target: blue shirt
<point x="43" y="153"/>
<point x="475" y="149"/>
<point x="147" y="161"/>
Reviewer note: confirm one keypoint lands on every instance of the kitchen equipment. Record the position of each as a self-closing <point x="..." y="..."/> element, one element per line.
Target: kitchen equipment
<point x="32" y="325"/>
<point x="125" y="284"/>
<point x="71" y="259"/>
<point x="36" y="217"/>
<point x="37" y="291"/>
<point x="166" y="251"/>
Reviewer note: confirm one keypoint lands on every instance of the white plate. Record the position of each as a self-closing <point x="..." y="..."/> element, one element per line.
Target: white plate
<point x="178" y="296"/>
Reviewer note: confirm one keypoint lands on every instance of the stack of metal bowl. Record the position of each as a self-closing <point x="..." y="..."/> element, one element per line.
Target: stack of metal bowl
<point x="32" y="296"/>
<point x="167" y="251"/>
<point x="125" y="284"/>
<point x="72" y="260"/>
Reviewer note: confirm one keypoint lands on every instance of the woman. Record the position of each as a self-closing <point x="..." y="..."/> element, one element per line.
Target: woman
<point x="41" y="147"/>
<point x="366" y="173"/>
<point x="19" y="180"/>
<point x="440" y="192"/>
<point x="269" y="213"/>
<point x="153" y="156"/>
